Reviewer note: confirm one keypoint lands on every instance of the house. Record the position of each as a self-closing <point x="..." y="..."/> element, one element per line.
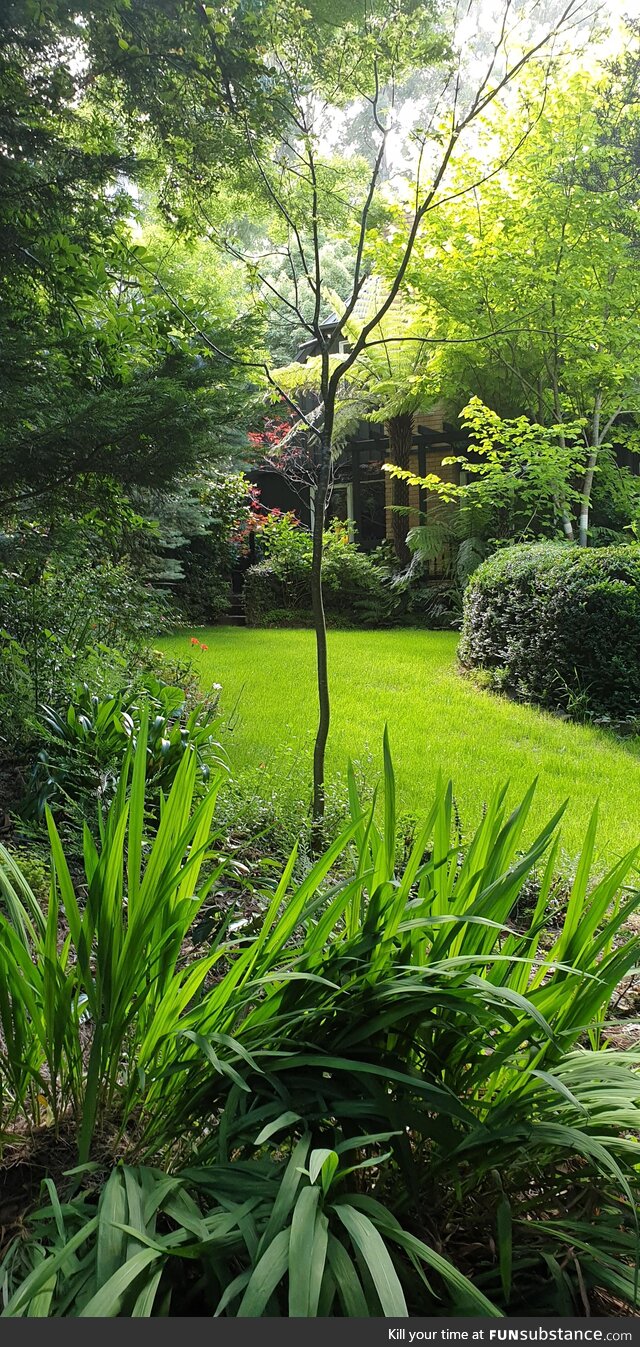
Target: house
<point x="383" y="507"/>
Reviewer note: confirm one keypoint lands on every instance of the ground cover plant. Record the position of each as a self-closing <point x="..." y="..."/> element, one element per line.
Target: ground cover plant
<point x="437" y="720"/>
<point x="85" y="743"/>
<point x="384" y="1097"/>
<point x="62" y="620"/>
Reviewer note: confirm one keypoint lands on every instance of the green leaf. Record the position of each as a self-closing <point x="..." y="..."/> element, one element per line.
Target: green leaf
<point x="112" y="1212"/>
<point x="301" y="1248"/>
<point x="107" y="1302"/>
<point x="368" y="1240"/>
<point x="268" y="1272"/>
<point x="278" y="1125"/>
<point x="347" y="1281"/>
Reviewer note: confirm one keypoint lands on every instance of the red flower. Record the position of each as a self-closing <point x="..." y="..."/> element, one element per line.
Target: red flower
<point x="194" y="640"/>
<point x="204" y="647"/>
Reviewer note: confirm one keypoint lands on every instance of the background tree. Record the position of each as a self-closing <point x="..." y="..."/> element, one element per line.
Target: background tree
<point x="536" y="291"/>
<point x="101" y="379"/>
<point x="196" y="533"/>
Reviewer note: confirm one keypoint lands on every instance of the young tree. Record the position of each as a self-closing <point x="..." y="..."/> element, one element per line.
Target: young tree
<point x="389" y="382"/>
<point x="321" y="63"/>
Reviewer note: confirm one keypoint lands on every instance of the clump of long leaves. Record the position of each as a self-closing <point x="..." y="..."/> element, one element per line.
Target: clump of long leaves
<point x="87" y="986"/>
<point x="85" y="744"/>
<point x="402" y="1011"/>
<point x="277" y="1235"/>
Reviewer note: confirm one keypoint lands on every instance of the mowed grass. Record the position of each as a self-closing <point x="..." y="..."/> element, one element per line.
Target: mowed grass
<point x="438" y="721"/>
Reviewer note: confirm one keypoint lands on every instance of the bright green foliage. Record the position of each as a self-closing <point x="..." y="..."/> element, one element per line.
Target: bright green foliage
<point x="99" y="379"/>
<point x="390" y="1021"/>
<point x="285" y="335"/>
<point x="390" y="377"/>
<point x="120" y="963"/>
<point x="86" y="743"/>
<point x="516" y="472"/>
<point x="544" y="616"/>
<point x="531" y="290"/>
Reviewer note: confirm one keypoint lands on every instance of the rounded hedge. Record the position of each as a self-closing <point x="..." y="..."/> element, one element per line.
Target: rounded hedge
<point x="559" y="624"/>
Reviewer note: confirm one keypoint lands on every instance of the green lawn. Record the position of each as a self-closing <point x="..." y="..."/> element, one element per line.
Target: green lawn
<point x="436" y="719"/>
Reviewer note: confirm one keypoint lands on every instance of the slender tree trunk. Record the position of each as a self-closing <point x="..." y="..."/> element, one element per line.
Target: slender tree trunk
<point x="587" y="485"/>
<point x="400" y="431"/>
<point x="585" y="499"/>
<point x="567" y="524"/>
<point x="319" y="622"/>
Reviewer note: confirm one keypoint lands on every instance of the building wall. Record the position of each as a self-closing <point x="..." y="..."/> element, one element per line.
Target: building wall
<point x="422" y="502"/>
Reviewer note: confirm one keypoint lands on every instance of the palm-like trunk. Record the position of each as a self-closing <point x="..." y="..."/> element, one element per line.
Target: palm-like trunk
<point x="400" y="432"/>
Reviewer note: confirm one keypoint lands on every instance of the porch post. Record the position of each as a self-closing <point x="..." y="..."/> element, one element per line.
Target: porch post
<point x="355" y="478"/>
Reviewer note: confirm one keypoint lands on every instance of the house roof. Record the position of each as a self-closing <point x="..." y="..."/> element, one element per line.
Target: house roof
<point x="328" y="324"/>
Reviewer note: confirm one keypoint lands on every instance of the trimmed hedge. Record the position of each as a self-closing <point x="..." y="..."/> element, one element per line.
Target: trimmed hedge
<point x="559" y="625"/>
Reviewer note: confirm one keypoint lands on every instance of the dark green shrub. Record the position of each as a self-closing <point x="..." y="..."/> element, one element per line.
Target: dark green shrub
<point x="356" y="588"/>
<point x="200" y="535"/>
<point x="273" y="599"/>
<point x="278" y="590"/>
<point x="75" y="620"/>
<point x="558" y="624"/>
<point x="433" y="604"/>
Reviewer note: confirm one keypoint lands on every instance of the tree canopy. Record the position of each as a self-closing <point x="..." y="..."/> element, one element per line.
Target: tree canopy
<point x="531" y="292"/>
